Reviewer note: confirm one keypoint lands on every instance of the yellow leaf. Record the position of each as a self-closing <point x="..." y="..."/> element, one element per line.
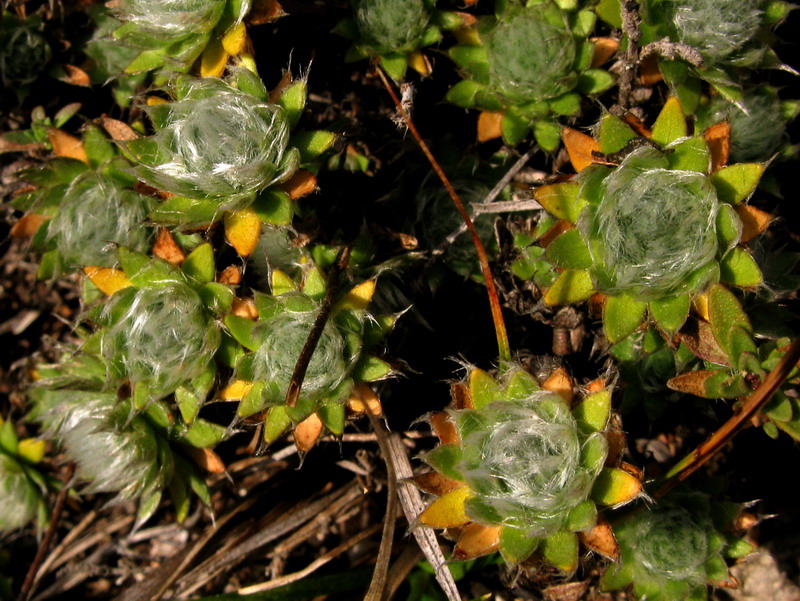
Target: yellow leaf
<point x="213" y="60"/>
<point x="236" y="390"/>
<point x="362" y="398"/>
<point x="242" y="230"/>
<point x="490" y="125"/>
<point x="420" y="63"/>
<point x="700" y="305"/>
<point x="447" y="511"/>
<point x="155" y="100"/>
<point x="235" y="40"/>
<point x="614" y="486"/>
<point x="66" y="146"/>
<point x="579" y="148"/>
<point x="31" y="449"/>
<point x="359" y="297"/>
<point x="107" y="279"/>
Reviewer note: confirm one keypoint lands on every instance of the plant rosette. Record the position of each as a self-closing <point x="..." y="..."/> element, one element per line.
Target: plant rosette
<point x="334" y="383"/>
<point x="527" y="66"/>
<point x="82" y="204"/>
<point x="520" y="469"/>
<point x="24" y="52"/>
<point x="726" y="34"/>
<point x="650" y="228"/>
<point x="222" y="150"/>
<point x="117" y="448"/>
<point x="23" y="488"/>
<point x="159" y="329"/>
<point x="171" y="36"/>
<point x="674" y="550"/>
<point x="395" y="32"/>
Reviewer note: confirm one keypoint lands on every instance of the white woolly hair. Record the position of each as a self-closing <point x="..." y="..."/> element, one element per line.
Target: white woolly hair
<point x="757" y="127"/>
<point x="525" y="462"/>
<point x="281" y="341"/>
<point x="531" y="58"/>
<point x="716" y="28"/>
<point x="220" y="142"/>
<point x="652" y="230"/>
<point x="392" y="26"/>
<point x="113" y="450"/>
<point x="173" y="18"/>
<point x="670" y="542"/>
<point x="164" y="337"/>
<point x="19" y="497"/>
<point x="96" y="215"/>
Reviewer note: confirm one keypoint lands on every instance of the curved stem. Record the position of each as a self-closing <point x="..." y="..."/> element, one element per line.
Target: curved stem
<point x="494" y="300"/>
<point x="749" y="409"/>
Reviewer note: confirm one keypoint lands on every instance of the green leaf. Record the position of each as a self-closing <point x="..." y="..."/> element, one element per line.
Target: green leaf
<point x="274" y="207"/>
<point x="314" y="284"/>
<point x="465" y="55"/>
<point x="689" y="92"/>
<point x="670" y="124"/>
<point x="444" y="459"/>
<point x="583" y="22"/>
<point x="617" y="576"/>
<point x="592" y="412"/>
<point x="775" y="11"/>
<point x="483" y="388"/>
<point x="610" y="11"/>
<point x="736" y="183"/>
<point x="547" y="134"/>
<point x="186" y="211"/>
<point x="277" y="422"/>
<point x="200" y="264"/>
<point x="614" y="133"/>
<point x="395" y="65"/>
<point x="293" y="101"/>
<point x="147" y="60"/>
<point x="594" y="81"/>
<point x="724" y="313"/>
<point x="569" y="251"/>
<point x="216" y="297"/>
<point x="188" y="403"/>
<point x="566" y="104"/>
<point x="332" y="415"/>
<point x="516" y="545"/>
<point x="520" y="385"/>
<point x="594" y="452"/>
<point x="561" y="550"/>
<point x="98" y="147"/>
<point x="582" y="517"/>
<point x="370" y="368"/>
<point x="148" y="505"/>
<point x="622" y="315"/>
<point x="8" y="438"/>
<point x="614" y="486"/>
<point x="572" y="286"/>
<point x="740" y="269"/>
<point x="729" y="228"/>
<point x="514" y="127"/>
<point x="463" y="93"/>
<point x="242" y="331"/>
<point x="562" y="200"/>
<point x="671" y="313"/>
<point x="203" y="434"/>
<point x="312" y="144"/>
<point x="690" y="155"/>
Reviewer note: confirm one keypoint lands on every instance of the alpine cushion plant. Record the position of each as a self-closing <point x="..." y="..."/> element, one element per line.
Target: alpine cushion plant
<point x="518" y="469"/>
<point x="530" y="64"/>
<point x="222" y="146"/>
<point x="674" y="550"/>
<point x="653" y="230"/>
<point x="171" y="36"/>
<point x="337" y="369"/>
<point x="396" y="31"/>
<point x="24" y="52"/>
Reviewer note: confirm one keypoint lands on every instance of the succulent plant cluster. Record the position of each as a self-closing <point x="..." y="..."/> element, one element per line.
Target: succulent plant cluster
<point x="217" y="296"/>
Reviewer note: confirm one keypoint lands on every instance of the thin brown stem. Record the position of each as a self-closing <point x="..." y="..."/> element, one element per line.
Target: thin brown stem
<point x="631" y="22"/>
<point x="749" y="409"/>
<point x="30" y="577"/>
<point x="300" y="368"/>
<point x="494" y="300"/>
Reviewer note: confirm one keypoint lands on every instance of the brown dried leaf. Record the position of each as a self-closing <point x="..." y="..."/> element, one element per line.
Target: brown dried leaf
<point x="636" y="124"/>
<point x="459" y="392"/>
<point x="277" y="91"/>
<point x="245" y="308"/>
<point x="718" y="138"/>
<point x="301" y="184"/>
<point x="307" y="433"/>
<point x="363" y="398"/>
<point x="571" y="591"/>
<point x="230" y="275"/>
<point x="444" y="428"/>
<point x="649" y="73"/>
<point x="692" y="382"/>
<point x="604" y="49"/>
<point x="435" y="483"/>
<point x="596" y="303"/>
<point x="76" y="76"/>
<point x="617" y="440"/>
<point x="118" y="130"/>
<point x="699" y="338"/>
<point x="166" y="248"/>
<point x="206" y="459"/>
<point x="601" y="539"/>
<point x="477" y="540"/>
<point x="28" y="225"/>
<point x="8" y="146"/>
<point x="558" y="228"/>
<point x="580" y="147"/>
<point x="490" y="125"/>
<point x="66" y="146"/>
<point x="265" y="11"/>
<point x="561" y="383"/>
<point x="754" y="221"/>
